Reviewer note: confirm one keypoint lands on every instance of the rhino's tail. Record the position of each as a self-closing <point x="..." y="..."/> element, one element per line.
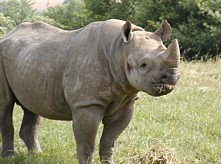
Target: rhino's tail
<point x="1" y="57"/>
<point x="2" y="71"/>
<point x="6" y="91"/>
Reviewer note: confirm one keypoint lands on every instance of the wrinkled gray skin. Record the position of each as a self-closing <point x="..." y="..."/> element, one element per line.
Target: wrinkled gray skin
<point x="88" y="75"/>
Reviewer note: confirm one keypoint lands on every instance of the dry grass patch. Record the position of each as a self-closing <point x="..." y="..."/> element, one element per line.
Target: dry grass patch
<point x="157" y="154"/>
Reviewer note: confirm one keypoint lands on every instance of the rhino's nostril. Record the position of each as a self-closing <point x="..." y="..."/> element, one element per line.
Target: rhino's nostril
<point x="129" y="67"/>
<point x="164" y="77"/>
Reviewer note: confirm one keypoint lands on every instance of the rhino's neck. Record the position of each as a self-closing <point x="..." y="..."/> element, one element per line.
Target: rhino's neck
<point x="113" y="49"/>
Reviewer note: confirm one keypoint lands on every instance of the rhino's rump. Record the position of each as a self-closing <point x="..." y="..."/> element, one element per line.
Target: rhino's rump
<point x="34" y="68"/>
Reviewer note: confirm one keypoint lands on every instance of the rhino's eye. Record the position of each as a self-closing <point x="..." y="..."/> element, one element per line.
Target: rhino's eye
<point x="147" y="37"/>
<point x="143" y="66"/>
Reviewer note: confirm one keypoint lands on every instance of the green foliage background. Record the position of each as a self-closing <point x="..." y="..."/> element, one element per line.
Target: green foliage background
<point x="196" y="23"/>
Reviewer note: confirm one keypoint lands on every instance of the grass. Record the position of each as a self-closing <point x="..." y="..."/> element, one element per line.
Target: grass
<point x="182" y="127"/>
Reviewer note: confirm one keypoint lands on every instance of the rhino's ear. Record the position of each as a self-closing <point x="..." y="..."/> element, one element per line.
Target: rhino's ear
<point x="164" y="31"/>
<point x="126" y="32"/>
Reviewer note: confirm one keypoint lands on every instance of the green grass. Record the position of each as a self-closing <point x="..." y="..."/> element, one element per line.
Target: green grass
<point x="185" y="124"/>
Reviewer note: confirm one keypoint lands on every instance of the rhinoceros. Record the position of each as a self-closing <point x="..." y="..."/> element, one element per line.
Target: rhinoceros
<point x="89" y="75"/>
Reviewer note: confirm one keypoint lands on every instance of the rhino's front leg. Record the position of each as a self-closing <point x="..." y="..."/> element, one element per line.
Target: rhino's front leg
<point x="113" y="127"/>
<point x="29" y="131"/>
<point x="85" y="125"/>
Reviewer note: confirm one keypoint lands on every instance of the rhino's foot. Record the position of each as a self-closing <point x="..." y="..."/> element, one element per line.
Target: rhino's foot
<point x="8" y="154"/>
<point x="35" y="151"/>
<point x="29" y="131"/>
<point x="106" y="161"/>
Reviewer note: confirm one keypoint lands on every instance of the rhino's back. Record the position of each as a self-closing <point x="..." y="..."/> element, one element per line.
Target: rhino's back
<point x="49" y="69"/>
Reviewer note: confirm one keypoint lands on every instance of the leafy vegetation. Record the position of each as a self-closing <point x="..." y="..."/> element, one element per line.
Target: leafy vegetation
<point x="196" y="23"/>
<point x="182" y="127"/>
<point x="18" y="11"/>
<point x="6" y="24"/>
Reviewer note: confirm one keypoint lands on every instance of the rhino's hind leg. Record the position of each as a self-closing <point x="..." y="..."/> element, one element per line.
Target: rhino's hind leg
<point x="29" y="131"/>
<point x="113" y="127"/>
<point x="7" y="101"/>
<point x="6" y="127"/>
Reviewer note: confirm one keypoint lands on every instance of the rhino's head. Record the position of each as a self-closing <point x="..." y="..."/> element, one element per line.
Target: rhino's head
<point x="149" y="65"/>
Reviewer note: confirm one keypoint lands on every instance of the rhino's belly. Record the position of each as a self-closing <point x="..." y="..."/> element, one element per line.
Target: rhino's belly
<point x="46" y="101"/>
<point x="52" y="108"/>
<point x="61" y="113"/>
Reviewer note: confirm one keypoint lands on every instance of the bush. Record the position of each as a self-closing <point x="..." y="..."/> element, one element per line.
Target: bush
<point x="196" y="24"/>
<point x="6" y="24"/>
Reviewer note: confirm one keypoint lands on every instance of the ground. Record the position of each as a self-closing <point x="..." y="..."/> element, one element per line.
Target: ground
<point x="182" y="127"/>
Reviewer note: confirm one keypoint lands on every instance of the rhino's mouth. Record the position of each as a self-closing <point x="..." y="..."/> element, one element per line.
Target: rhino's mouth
<point x="163" y="89"/>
